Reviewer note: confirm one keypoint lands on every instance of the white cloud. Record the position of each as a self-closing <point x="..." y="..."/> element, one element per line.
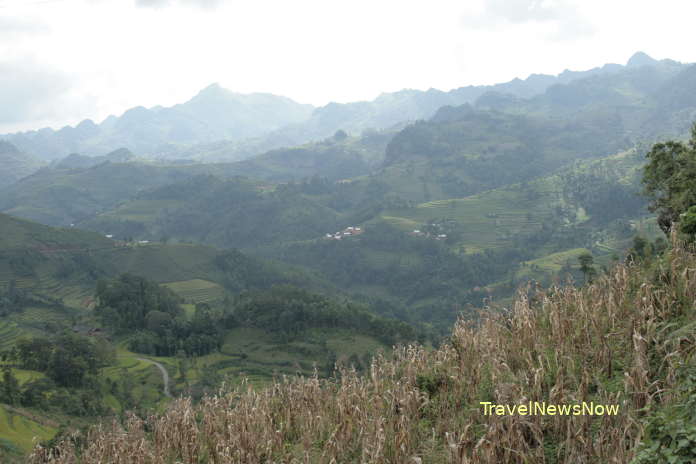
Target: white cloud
<point x="17" y="28"/>
<point x="93" y="58"/>
<point x="569" y="21"/>
<point x="33" y="93"/>
<point x="165" y="3"/>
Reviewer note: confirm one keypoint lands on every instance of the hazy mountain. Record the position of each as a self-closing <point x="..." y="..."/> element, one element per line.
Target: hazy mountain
<point x="219" y="125"/>
<point x="15" y="164"/>
<point x="77" y="161"/>
<point x="647" y="99"/>
<point x="213" y="114"/>
<point x="390" y="109"/>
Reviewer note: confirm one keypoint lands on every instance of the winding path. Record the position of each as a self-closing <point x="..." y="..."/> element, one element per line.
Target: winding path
<point x="165" y="375"/>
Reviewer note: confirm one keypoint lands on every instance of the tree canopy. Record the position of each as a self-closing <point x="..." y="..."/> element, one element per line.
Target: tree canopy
<point x="669" y="179"/>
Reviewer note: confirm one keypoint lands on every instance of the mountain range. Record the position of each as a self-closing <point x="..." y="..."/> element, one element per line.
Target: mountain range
<point x="218" y="124"/>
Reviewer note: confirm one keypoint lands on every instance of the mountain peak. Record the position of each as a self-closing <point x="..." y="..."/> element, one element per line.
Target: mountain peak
<point x="213" y="89"/>
<point x="640" y="59"/>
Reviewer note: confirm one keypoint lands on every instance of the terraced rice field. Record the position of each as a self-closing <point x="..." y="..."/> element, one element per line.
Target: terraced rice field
<point x="141" y="210"/>
<point x="487" y="220"/>
<point x="552" y="263"/>
<point x="197" y="290"/>
<point x="22" y="282"/>
<point x="20" y="430"/>
<point x="39" y="317"/>
<point x="9" y="332"/>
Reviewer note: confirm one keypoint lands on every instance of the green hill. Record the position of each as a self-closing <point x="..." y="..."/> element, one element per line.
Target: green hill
<point x="76" y="189"/>
<point x="228" y="213"/>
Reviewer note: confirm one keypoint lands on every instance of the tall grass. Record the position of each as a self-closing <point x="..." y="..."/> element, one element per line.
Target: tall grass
<point x="615" y="341"/>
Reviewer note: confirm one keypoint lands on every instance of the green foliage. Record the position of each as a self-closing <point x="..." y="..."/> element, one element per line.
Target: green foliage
<point x="131" y="303"/>
<point x="68" y="359"/>
<point x="586" y="261"/>
<point x="289" y="312"/>
<point x="687" y="224"/>
<point x="670" y="434"/>
<point x="669" y="178"/>
<point x="9" y="389"/>
<point x="124" y="303"/>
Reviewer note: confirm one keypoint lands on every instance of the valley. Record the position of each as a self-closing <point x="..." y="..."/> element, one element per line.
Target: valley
<point x="243" y="242"/>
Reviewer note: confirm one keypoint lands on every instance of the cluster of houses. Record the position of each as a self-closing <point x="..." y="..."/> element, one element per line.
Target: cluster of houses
<point x="124" y="243"/>
<point x="347" y="232"/>
<point x="419" y="233"/>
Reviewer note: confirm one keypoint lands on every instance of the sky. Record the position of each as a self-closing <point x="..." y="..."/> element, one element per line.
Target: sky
<point x="62" y="61"/>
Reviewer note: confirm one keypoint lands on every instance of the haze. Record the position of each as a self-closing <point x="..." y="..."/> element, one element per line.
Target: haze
<point x="66" y="60"/>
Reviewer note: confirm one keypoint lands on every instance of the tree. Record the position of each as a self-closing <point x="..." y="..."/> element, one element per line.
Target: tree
<point x="688" y="222"/>
<point x="586" y="261"/>
<point x="641" y="246"/>
<point x="669" y="180"/>
<point x="9" y="391"/>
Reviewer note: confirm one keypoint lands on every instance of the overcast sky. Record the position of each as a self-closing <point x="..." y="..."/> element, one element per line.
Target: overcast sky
<point x="62" y="61"/>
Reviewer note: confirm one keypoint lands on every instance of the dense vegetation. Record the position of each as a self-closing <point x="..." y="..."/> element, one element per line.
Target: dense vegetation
<point x="290" y="312"/>
<point x="669" y="179"/>
<point x="454" y="212"/>
<point x="134" y="305"/>
<point x="71" y="365"/>
<point x="552" y="346"/>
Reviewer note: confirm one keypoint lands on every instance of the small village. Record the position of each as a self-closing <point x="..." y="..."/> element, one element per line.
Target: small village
<point x="347" y="232"/>
<point x="420" y="233"/>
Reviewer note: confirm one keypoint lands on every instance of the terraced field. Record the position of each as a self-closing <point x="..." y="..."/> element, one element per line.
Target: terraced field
<point x="550" y="264"/>
<point x="38" y="318"/>
<point x="9" y="332"/>
<point x="144" y="378"/>
<point x="21" y="282"/>
<point x="18" y="431"/>
<point x="490" y="219"/>
<point x="197" y="290"/>
<point x="140" y="210"/>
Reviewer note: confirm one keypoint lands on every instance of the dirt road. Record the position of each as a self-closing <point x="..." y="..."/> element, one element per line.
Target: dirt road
<point x="165" y="375"/>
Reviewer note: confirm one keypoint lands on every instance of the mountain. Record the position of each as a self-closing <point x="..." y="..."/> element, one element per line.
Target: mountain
<point x="393" y="109"/>
<point x="219" y="125"/>
<point x="337" y="157"/>
<point x="15" y="164"/>
<point x="490" y="176"/>
<point x="646" y="99"/>
<point x="213" y="114"/>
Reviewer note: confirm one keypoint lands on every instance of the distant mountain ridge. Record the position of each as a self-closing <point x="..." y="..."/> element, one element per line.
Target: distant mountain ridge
<point x="15" y="164"/>
<point x="213" y="114"/>
<point x="392" y="109"/>
<point x="218" y="124"/>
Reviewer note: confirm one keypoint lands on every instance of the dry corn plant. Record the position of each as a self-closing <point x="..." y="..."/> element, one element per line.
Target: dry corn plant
<point x="610" y="342"/>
